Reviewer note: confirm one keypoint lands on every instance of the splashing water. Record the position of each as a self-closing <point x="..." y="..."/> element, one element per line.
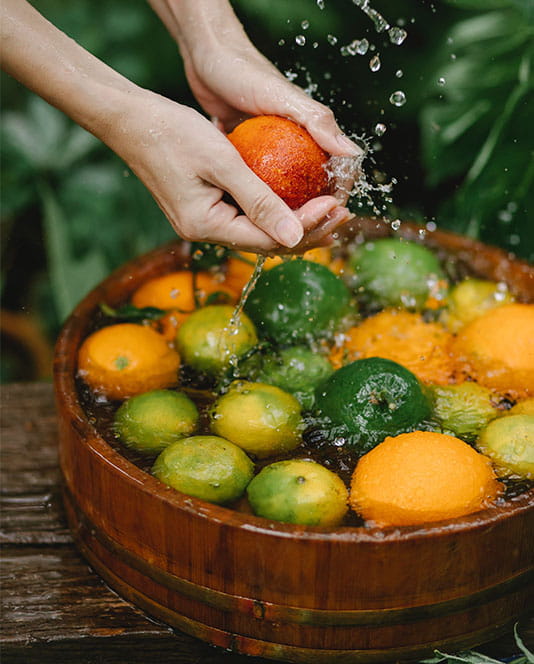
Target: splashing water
<point x="300" y="40"/>
<point x="258" y="267"/>
<point x="398" y="98"/>
<point x="380" y="129"/>
<point x="374" y="63"/>
<point x="379" y="21"/>
<point x="397" y="35"/>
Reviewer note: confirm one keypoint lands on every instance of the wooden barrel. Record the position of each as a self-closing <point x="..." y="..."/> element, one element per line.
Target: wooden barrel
<point x="294" y="593"/>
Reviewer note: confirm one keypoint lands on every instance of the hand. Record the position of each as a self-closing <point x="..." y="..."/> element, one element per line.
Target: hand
<point x="188" y="164"/>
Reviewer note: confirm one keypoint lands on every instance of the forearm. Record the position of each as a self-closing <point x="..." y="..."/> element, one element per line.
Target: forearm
<point x="59" y="70"/>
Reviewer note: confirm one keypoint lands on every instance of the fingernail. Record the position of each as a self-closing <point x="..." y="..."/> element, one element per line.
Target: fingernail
<point x="289" y="232"/>
<point x="346" y="144"/>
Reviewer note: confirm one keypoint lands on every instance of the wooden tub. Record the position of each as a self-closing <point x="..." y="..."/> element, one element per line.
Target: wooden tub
<point x="286" y="592"/>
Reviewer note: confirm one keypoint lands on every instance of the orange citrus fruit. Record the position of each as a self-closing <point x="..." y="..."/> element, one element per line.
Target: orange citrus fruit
<point x="180" y="290"/>
<point x="497" y="350"/>
<point x="284" y="156"/>
<point x="421" y="477"/>
<point x="122" y="360"/>
<point x="403" y="337"/>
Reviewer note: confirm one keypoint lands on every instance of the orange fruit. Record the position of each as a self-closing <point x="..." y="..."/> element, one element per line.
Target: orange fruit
<point x="405" y="338"/>
<point x="180" y="290"/>
<point x="497" y="350"/>
<point x="122" y="360"/>
<point x="421" y="477"/>
<point x="284" y="156"/>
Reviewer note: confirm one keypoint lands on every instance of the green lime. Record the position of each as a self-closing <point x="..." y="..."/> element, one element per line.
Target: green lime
<point x="509" y="442"/>
<point x="464" y="409"/>
<point x="370" y="399"/>
<point x="297" y="370"/>
<point x="150" y="421"/>
<point x="210" y="339"/>
<point x="395" y="272"/>
<point x="297" y="301"/>
<point x="206" y="467"/>
<point x="298" y="491"/>
<point x="262" y="419"/>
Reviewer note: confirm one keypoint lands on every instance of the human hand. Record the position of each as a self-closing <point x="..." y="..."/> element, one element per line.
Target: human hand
<point x="188" y="164"/>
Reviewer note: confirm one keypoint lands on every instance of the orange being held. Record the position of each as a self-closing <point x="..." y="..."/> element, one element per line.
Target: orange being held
<point x="497" y="350"/>
<point x="284" y="156"/>
<point x="123" y="360"/>
<point x="422" y="477"/>
<point x="403" y="337"/>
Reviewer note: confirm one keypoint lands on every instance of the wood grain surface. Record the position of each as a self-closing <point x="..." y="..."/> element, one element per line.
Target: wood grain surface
<point x="54" y="607"/>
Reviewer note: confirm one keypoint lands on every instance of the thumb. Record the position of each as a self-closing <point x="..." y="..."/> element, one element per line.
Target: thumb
<point x="261" y="205"/>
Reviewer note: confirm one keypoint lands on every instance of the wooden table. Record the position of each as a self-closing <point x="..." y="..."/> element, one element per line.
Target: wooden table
<point x="54" y="607"/>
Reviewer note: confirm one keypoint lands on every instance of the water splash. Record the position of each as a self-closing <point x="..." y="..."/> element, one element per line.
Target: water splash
<point x="300" y="40"/>
<point x="379" y="21"/>
<point x="374" y="63"/>
<point x="397" y="35"/>
<point x="380" y="129"/>
<point x="399" y="73"/>
<point x="398" y="98"/>
<point x="356" y="47"/>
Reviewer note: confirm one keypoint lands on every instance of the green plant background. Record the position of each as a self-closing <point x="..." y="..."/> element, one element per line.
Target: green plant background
<point x="460" y="150"/>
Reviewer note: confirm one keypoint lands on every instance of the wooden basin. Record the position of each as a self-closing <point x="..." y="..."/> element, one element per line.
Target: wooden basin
<point x="293" y="593"/>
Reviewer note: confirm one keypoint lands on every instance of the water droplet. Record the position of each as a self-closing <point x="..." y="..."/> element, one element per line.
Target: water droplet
<point x="380" y="129"/>
<point x="441" y="80"/>
<point x="398" y="98"/>
<point x="374" y="63"/>
<point x="320" y="4"/>
<point x="399" y="73"/>
<point x="395" y="225"/>
<point x="453" y="56"/>
<point x="431" y="226"/>
<point x="332" y="39"/>
<point x="362" y="46"/>
<point x="305" y="25"/>
<point x="281" y="42"/>
<point x="300" y="39"/>
<point x="315" y="44"/>
<point x="397" y="35"/>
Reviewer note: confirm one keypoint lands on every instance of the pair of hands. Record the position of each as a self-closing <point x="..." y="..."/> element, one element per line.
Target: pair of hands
<point x="187" y="162"/>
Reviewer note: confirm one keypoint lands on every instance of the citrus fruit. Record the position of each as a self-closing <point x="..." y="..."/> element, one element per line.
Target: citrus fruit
<point x="150" y="421"/>
<point x="182" y="290"/>
<point x="471" y="298"/>
<point x="298" y="491"/>
<point x="283" y="155"/>
<point x="404" y="337"/>
<point x="509" y="442"/>
<point x="396" y="272"/>
<point x="297" y="369"/>
<point x="370" y="399"/>
<point x="262" y="419"/>
<point x="497" y="349"/>
<point x="239" y="268"/>
<point x="297" y="301"/>
<point x="421" y="477"/>
<point x="122" y="360"/>
<point x="210" y="338"/>
<point x="525" y="407"/>
<point x="206" y="467"/>
<point x="464" y="409"/>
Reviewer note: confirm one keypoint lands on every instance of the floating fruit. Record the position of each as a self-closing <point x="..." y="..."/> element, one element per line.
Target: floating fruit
<point x="297" y="301"/>
<point x="369" y="399"/>
<point x="404" y="337"/>
<point x="470" y="299"/>
<point x="205" y="467"/>
<point x="122" y="360"/>
<point x="262" y="419"/>
<point x="151" y="421"/>
<point x="422" y="477"/>
<point x="283" y="155"/>
<point x="298" y="491"/>
<point x="210" y="339"/>
<point x="509" y="442"/>
<point x="497" y="350"/>
<point x="396" y="272"/>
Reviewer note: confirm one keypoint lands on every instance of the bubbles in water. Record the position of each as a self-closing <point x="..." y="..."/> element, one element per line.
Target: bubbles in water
<point x="399" y="73"/>
<point x="300" y="40"/>
<point x="397" y="35"/>
<point x="374" y="63"/>
<point x="380" y="129"/>
<point x="441" y="80"/>
<point x="305" y="25"/>
<point x="331" y="39"/>
<point x="398" y="98"/>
